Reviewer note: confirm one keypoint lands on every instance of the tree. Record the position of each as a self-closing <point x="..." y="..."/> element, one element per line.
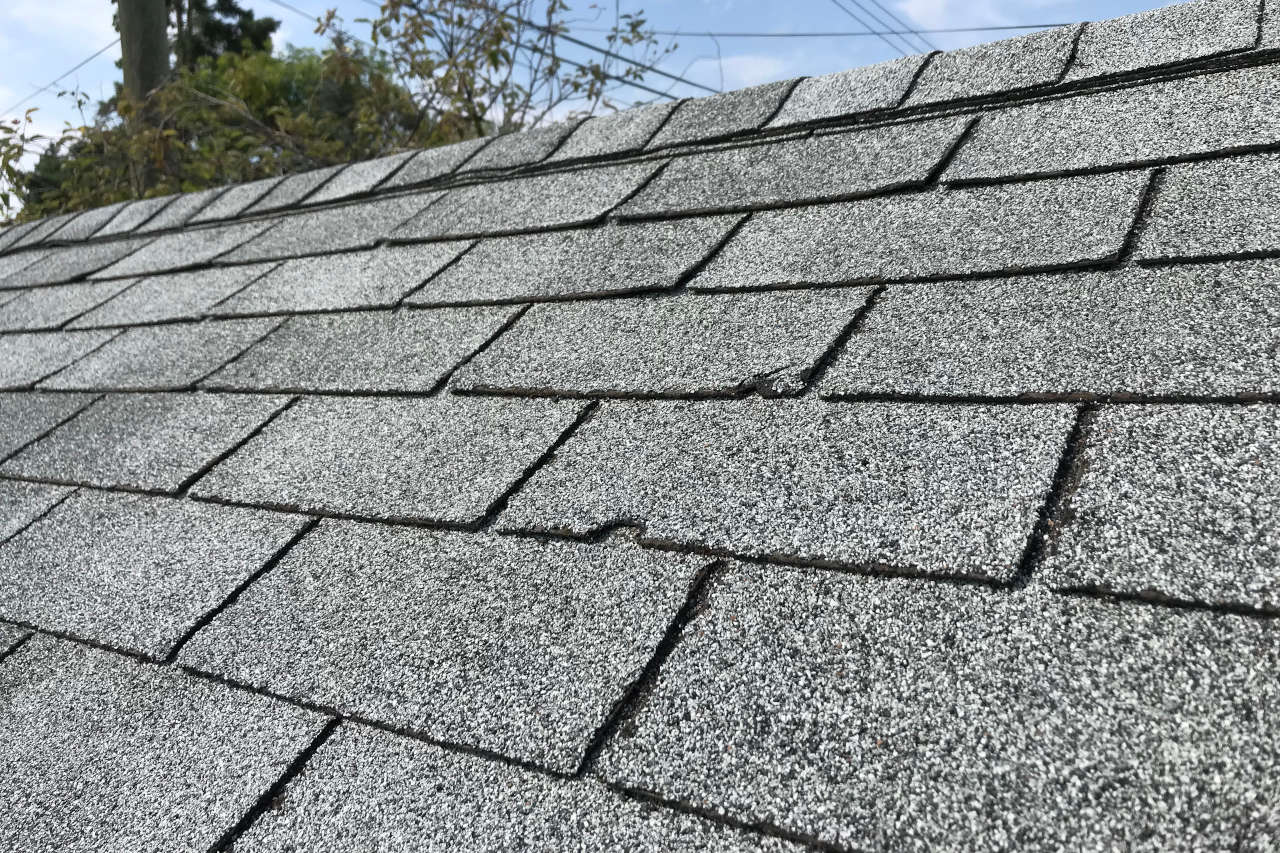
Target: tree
<point x="144" y="47"/>
<point x="204" y="30"/>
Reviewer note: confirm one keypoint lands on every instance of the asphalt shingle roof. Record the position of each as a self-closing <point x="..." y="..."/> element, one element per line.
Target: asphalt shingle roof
<point x="879" y="461"/>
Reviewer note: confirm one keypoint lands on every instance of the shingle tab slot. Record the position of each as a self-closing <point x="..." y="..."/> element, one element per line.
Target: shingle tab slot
<point x="858" y="90"/>
<point x="987" y="69"/>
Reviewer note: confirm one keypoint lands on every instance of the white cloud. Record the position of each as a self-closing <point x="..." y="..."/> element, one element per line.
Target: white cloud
<point x="740" y="71"/>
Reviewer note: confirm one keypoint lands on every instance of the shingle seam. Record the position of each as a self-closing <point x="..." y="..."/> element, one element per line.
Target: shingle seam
<point x="13" y="647"/>
<point x="1262" y="23"/>
<point x="813" y="376"/>
<point x="95" y="306"/>
<point x="403" y="300"/>
<point x="46" y="433"/>
<point x="1035" y="398"/>
<point x="443" y="382"/>
<point x="1073" y="53"/>
<point x="635" y="191"/>
<point x="1141" y="215"/>
<point x="237" y="356"/>
<point x="39" y="517"/>
<point x="234" y="596"/>
<point x="73" y="362"/>
<point x="782" y="102"/>
<point x="480" y="389"/>
<point x="392" y="520"/>
<point x="912" y="84"/>
<point x="634" y="696"/>
<point x="267" y="798"/>
<point x="1207" y="258"/>
<point x="185" y="486"/>
<point x="80" y="484"/>
<point x="1153" y="598"/>
<point x="948" y="157"/>
<point x="268" y="268"/>
<point x="682" y="283"/>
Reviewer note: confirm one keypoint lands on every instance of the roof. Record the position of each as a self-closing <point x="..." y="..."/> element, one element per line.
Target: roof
<point x="884" y="460"/>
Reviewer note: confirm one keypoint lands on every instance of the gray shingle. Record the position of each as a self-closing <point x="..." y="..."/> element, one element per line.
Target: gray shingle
<point x="830" y="166"/>
<point x="986" y="69"/>
<point x="367" y="351"/>
<point x="175" y="296"/>
<point x="1143" y="124"/>
<point x="358" y="178"/>
<point x="50" y="307"/>
<point x="1200" y="330"/>
<point x="183" y="208"/>
<point x="25" y="416"/>
<point x="43" y="229"/>
<point x="11" y="265"/>
<point x="134" y="572"/>
<point x="521" y="148"/>
<point x="14" y="234"/>
<point x="371" y="790"/>
<point x="525" y="204"/>
<point x="20" y="504"/>
<point x="292" y="190"/>
<point x="946" y="490"/>
<point x="626" y="131"/>
<point x="1270" y="30"/>
<point x="845" y="93"/>
<point x="1175" y="502"/>
<point x="685" y="345"/>
<point x="190" y="248"/>
<point x="611" y="259"/>
<point x="26" y="359"/>
<point x="1216" y="208"/>
<point x="443" y="459"/>
<point x="435" y="163"/>
<point x="10" y="636"/>
<point x="1177" y="33"/>
<point x="904" y="715"/>
<point x="1013" y="227"/>
<point x="87" y="223"/>
<point x="169" y="357"/>
<point x="154" y="442"/>
<point x="509" y="645"/>
<point x="121" y="755"/>
<point x="722" y="115"/>
<point x="336" y="229"/>
<point x="235" y="200"/>
<point x="375" y="278"/>
<point x="73" y="262"/>
<point x="134" y="214"/>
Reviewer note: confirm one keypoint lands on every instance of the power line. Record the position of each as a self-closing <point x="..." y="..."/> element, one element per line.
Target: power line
<point x="836" y="33"/>
<point x="64" y="74"/>
<point x="869" y="28"/>
<point x="928" y="44"/>
<point x="883" y="24"/>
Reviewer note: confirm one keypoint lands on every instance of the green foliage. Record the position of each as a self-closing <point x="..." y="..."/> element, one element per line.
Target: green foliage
<point x="16" y="141"/>
<point x="207" y="30"/>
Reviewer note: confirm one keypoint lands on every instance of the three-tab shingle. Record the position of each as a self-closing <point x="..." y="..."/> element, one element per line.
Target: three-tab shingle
<point x="133" y="572"/>
<point x="134" y="214"/>
<point x="175" y="296"/>
<point x="86" y="224"/>
<point x="859" y="90"/>
<point x="511" y="150"/>
<point x="50" y="307"/>
<point x="444" y="460"/>
<point x="435" y="163"/>
<point x="10" y="637"/>
<point x="619" y="133"/>
<point x="26" y="359"/>
<point x="11" y="265"/>
<point x="694" y="345"/>
<point x="116" y="754"/>
<point x="358" y="178"/>
<point x="26" y="416"/>
<point x="235" y="201"/>
<point x="510" y="645"/>
<point x="184" y="249"/>
<point x="946" y="490"/>
<point x="182" y="209"/>
<point x="22" y="503"/>
<point x="73" y="262"/>
<point x="722" y="115"/>
<point x="987" y="69"/>
<point x="292" y="190"/>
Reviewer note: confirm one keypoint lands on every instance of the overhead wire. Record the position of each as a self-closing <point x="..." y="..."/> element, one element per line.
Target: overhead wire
<point x="927" y="44"/>
<point x="838" y="33"/>
<point x="863" y="23"/>
<point x="55" y="81"/>
<point x="882" y="24"/>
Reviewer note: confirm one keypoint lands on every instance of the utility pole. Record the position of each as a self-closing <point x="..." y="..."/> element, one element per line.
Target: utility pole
<point x="144" y="45"/>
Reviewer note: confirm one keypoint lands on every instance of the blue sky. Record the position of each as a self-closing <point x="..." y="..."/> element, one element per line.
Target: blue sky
<point x="41" y="39"/>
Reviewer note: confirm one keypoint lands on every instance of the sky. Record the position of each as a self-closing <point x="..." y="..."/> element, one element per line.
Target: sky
<point x="40" y="40"/>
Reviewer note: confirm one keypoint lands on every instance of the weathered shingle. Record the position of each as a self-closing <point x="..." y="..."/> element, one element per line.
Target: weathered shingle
<point x="845" y="93"/>
<point x="1217" y="208"/>
<point x="377" y="278"/>
<point x="1175" y="502"/>
<point x="87" y="223"/>
<point x="42" y="230"/>
<point x="50" y="307"/>
<point x="155" y="442"/>
<point x="509" y="645"/>
<point x="443" y="459"/>
<point x="894" y="714"/>
<point x="695" y="344"/>
<point x="1043" y="224"/>
<point x="162" y="358"/>
<point x="366" y="789"/>
<point x="183" y="208"/>
<point x="829" y="166"/>
<point x="561" y="264"/>
<point x="73" y="262"/>
<point x="292" y="190"/>
<point x="235" y="201"/>
<point x="619" y="133"/>
<point x="722" y="115"/>
<point x="173" y="296"/>
<point x="1143" y="124"/>
<point x="13" y="235"/>
<point x="26" y="416"/>
<point x="522" y="148"/>
<point x="407" y="351"/>
<point x="121" y="755"/>
<point x="986" y="69"/>
<point x="184" y="249"/>
<point x="435" y="163"/>
<point x="135" y="214"/>
<point x="1207" y="330"/>
<point x="11" y="265"/>
<point x="134" y="572"/>
<point x="949" y="490"/>
<point x="22" y="503"/>
<point x="525" y="204"/>
<point x="358" y="178"/>
<point x="26" y="359"/>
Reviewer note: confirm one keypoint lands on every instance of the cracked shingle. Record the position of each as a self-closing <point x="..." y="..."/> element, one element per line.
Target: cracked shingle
<point x="116" y="754"/>
<point x="610" y="259"/>
<point x="443" y="459"/>
<point x="859" y="90"/>
<point x="26" y="359"/>
<point x="509" y="645"/>
<point x="1175" y="502"/>
<point x="50" y="307"/>
<point x="20" y="504"/>
<point x="830" y="166"/>
<point x="521" y="148"/>
<point x="1209" y="329"/>
<point x="1143" y="124"/>
<point x="408" y="351"/>
<point x="154" y="442"/>
<point x="435" y="163"/>
<point x="619" y="133"/>
<point x="70" y="263"/>
<point x="26" y="416"/>
<point x="1042" y="224"/>
<point x="134" y="572"/>
<point x="946" y="490"/>
<point x="173" y="296"/>
<point x="162" y="358"/>
<point x="987" y="69"/>
<point x="725" y="114"/>
<point x="367" y="789"/>
<point x="235" y="201"/>
<point x="189" y="248"/>
<point x="897" y="714"/>
<point x="292" y="190"/>
<point x="358" y="178"/>
<point x="694" y="344"/>
<point x="377" y="278"/>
